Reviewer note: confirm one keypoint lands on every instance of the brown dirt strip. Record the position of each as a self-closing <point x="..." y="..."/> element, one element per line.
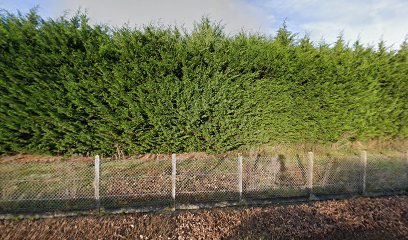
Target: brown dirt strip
<point x="29" y="158"/>
<point x="359" y="218"/>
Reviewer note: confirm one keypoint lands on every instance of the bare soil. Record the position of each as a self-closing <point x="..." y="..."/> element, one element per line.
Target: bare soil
<point x="27" y="158"/>
<point x="380" y="146"/>
<point x="358" y="218"/>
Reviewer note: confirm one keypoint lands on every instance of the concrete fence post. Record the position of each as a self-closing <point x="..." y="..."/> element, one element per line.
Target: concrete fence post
<point x="96" y="180"/>
<point x="173" y="176"/>
<point x="364" y="177"/>
<point x="310" y="173"/>
<point x="240" y="177"/>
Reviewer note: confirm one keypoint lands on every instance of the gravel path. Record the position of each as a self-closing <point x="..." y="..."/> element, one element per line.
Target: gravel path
<point x="359" y="218"/>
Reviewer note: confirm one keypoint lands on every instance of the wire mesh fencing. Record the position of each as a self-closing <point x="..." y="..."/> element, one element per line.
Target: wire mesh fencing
<point x="172" y="182"/>
<point x="275" y="177"/>
<point x="135" y="183"/>
<point x="337" y="175"/>
<point x="45" y="187"/>
<point x="207" y="180"/>
<point x="387" y="173"/>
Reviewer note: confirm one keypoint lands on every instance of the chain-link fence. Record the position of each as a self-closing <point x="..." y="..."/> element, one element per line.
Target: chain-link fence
<point x="46" y="187"/>
<point x="135" y="183"/>
<point x="206" y="180"/>
<point x="279" y="176"/>
<point x="172" y="182"/>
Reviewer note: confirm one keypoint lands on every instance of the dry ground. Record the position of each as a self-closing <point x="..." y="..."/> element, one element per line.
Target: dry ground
<point x="359" y="218"/>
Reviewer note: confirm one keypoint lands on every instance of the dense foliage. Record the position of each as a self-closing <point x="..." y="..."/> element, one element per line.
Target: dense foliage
<point x="71" y="87"/>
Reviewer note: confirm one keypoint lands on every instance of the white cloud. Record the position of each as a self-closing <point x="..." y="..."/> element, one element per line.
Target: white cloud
<point x="234" y="14"/>
<point x="366" y="20"/>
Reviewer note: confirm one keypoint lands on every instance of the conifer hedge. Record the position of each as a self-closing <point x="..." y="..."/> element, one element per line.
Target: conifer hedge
<point x="71" y="87"/>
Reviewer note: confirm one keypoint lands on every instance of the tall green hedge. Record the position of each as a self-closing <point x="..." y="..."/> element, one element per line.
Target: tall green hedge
<point x="71" y="87"/>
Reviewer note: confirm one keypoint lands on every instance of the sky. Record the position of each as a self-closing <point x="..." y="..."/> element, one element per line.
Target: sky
<point x="368" y="21"/>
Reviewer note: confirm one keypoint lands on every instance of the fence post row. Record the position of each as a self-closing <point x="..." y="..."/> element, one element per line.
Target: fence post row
<point x="309" y="176"/>
<point x="310" y="173"/>
<point x="173" y="176"/>
<point x="96" y="180"/>
<point x="240" y="177"/>
<point x="364" y="177"/>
